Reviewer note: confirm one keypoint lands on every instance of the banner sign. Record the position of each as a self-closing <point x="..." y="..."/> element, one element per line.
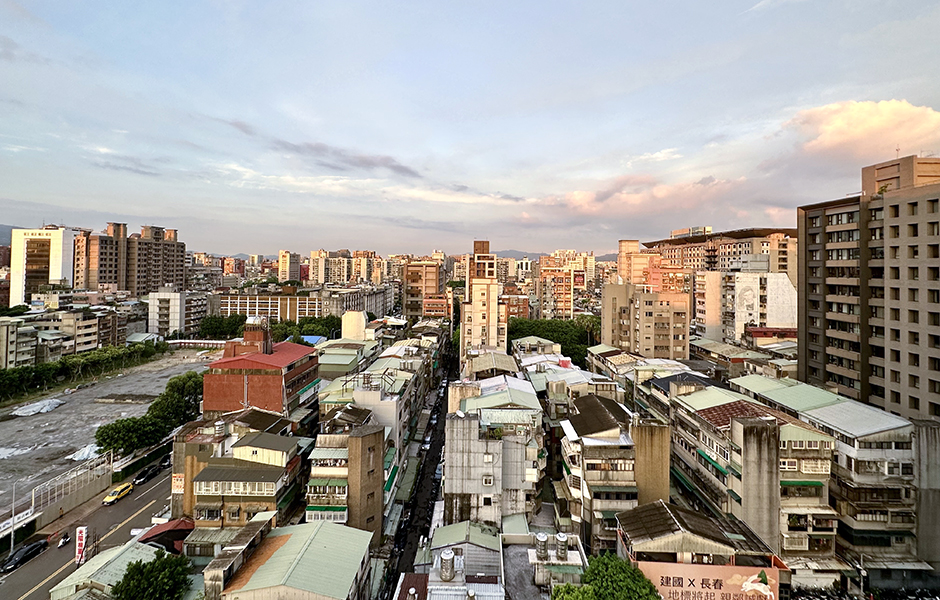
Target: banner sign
<point x="678" y="581"/>
<point x="81" y="535"/>
<point x="179" y="483"/>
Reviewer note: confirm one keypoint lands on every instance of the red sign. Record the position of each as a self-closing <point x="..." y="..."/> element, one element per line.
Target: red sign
<point x="81" y="535"/>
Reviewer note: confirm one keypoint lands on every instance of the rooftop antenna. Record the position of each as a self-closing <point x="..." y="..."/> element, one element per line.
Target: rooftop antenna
<point x="897" y="151"/>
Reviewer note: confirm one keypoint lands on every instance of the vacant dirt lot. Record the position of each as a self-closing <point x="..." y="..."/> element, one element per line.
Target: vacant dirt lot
<point x="34" y="448"/>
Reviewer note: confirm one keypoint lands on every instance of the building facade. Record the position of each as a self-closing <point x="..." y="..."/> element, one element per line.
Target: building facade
<point x="651" y="324"/>
<point x="39" y="258"/>
<point x="869" y="321"/>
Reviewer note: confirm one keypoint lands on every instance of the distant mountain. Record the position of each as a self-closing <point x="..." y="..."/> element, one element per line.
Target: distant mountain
<point x="5" y="235"/>
<point x="517" y="254"/>
<point x="605" y="257"/>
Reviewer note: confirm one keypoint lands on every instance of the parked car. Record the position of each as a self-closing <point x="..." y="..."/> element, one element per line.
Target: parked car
<point x="147" y="474"/>
<point x="24" y="555"/>
<point x="167" y="462"/>
<point x="117" y="493"/>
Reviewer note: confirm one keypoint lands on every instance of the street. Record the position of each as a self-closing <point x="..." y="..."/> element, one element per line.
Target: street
<point x="110" y="524"/>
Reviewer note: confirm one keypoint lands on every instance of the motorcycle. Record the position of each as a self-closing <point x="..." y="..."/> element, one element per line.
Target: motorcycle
<point x="64" y="540"/>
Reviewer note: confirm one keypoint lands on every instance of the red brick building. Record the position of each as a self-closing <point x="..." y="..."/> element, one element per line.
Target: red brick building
<point x="517" y="305"/>
<point x="256" y="372"/>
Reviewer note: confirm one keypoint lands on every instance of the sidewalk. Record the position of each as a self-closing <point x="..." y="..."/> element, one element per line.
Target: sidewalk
<point x="73" y="518"/>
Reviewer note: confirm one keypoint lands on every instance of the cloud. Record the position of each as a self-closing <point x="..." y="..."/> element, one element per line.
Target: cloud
<point x="768" y="4"/>
<point x="867" y="131"/>
<point x="339" y="158"/>
<point x="130" y="169"/>
<point x="327" y="156"/>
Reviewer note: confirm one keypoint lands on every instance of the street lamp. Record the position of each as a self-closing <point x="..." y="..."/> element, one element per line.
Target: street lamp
<point x="13" y="515"/>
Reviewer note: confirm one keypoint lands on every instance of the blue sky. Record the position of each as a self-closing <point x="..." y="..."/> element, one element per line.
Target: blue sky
<point x="403" y="127"/>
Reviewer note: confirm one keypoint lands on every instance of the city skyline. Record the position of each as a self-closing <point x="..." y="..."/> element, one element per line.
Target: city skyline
<point x="536" y="127"/>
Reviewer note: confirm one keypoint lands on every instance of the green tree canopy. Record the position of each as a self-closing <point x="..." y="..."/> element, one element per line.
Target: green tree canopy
<point x="574" y="336"/>
<point x="163" y="578"/>
<point x="14" y="311"/>
<point x="221" y="328"/>
<point x="611" y="578"/>
<point x="573" y="592"/>
<point x="127" y="435"/>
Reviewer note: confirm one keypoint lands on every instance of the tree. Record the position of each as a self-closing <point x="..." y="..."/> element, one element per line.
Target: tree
<point x="163" y="578"/>
<point x="124" y="436"/>
<point x="614" y="579"/>
<point x="573" y="592"/>
<point x="14" y="311"/>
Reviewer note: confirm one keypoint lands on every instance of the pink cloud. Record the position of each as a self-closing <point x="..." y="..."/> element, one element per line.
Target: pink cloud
<point x="868" y="131"/>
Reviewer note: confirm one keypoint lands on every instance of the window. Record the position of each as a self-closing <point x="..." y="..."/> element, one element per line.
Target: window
<point x="913" y="359"/>
<point x="894" y="210"/>
<point x="812" y="445"/>
<point x="895" y="231"/>
<point x="783" y="444"/>
<point x="913" y="273"/>
<point x="912" y="230"/>
<point x="487" y="480"/>
<point x="913" y="338"/>
<point x="932" y="205"/>
<point x="913" y="402"/>
<point x="487" y="457"/>
<point x="798" y="444"/>
<point x="912" y="208"/>
<point x="487" y="501"/>
<point x="913" y="251"/>
<point x="788" y="464"/>
<point x="913" y="316"/>
<point x="370" y="520"/>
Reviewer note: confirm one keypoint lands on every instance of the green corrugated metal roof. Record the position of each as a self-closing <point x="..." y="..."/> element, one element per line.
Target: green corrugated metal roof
<point x="318" y="481"/>
<point x="320" y="558"/>
<point x="711" y="460"/>
<point x="408" y="480"/>
<point x="709" y="397"/>
<point x="565" y="569"/>
<point x="389" y="457"/>
<point x="331" y="508"/>
<point x="465" y="532"/>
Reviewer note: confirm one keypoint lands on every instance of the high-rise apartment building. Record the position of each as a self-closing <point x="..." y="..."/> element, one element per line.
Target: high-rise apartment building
<point x="721" y="251"/>
<point x="288" y="266"/>
<point x="869" y="288"/>
<point x="483" y="318"/>
<point x="555" y="285"/>
<point x="174" y="311"/>
<point x="40" y="257"/>
<point x="423" y="278"/>
<point x="728" y="302"/>
<point x="632" y="264"/>
<point x="651" y="324"/>
<point x="138" y="263"/>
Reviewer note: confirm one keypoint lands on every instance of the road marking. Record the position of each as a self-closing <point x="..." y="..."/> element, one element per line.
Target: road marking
<point x="151" y="489"/>
<point x="103" y="538"/>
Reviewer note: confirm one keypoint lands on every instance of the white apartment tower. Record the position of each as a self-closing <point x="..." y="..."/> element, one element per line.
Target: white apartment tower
<point x="483" y="320"/>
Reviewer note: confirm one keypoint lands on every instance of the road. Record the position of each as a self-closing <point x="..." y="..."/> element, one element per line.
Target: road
<point x="111" y="524"/>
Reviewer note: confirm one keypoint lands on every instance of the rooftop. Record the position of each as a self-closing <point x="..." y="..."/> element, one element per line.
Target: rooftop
<point x="856" y="419"/>
<point x="230" y="469"/>
<point x="319" y="558"/>
<point x="466" y="532"/>
<point x="108" y="566"/>
<point x="710" y="396"/>
<point x="268" y="441"/>
<point x="285" y="354"/>
<point x="658" y="520"/>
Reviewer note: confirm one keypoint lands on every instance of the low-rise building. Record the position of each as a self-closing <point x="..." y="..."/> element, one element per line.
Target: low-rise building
<point x="681" y="551"/>
<point x="493" y="449"/>
<point x="651" y="324"/>
<point x="256" y="372"/>
<point x="172" y="311"/>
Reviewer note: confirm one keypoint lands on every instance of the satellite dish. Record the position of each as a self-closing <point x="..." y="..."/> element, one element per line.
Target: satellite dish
<point x="460" y="414"/>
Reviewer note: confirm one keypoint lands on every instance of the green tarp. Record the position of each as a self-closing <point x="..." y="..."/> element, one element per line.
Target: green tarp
<point x="711" y="460"/>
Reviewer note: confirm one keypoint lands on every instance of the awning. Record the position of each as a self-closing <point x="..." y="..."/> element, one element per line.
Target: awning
<point x="807" y="483"/>
<point x="612" y="488"/>
<point x="208" y="505"/>
<point x="319" y="481"/>
<point x="711" y="460"/>
<point x="561" y="491"/>
<point x="734" y="495"/>
<point x="682" y="478"/>
<point x="567" y="470"/>
<point x="326" y="508"/>
<point x="256" y="508"/>
<point x="391" y="479"/>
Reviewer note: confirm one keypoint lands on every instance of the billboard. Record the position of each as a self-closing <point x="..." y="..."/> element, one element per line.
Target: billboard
<point x="677" y="581"/>
<point x="178" y="486"/>
<point x="81" y="539"/>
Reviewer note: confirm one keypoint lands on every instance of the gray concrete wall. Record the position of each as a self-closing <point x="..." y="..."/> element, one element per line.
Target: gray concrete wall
<point x="73" y="500"/>
<point x="759" y="440"/>
<point x="927" y="469"/>
<point x="651" y="466"/>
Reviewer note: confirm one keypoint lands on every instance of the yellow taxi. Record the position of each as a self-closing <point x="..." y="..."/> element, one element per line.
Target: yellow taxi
<point x="118" y="493"/>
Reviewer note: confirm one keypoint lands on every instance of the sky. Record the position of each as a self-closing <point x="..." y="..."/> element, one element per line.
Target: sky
<point x="405" y="127"/>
